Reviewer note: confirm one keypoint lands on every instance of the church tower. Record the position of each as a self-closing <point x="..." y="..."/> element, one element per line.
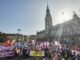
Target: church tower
<point x="48" y="19"/>
<point x="48" y="24"/>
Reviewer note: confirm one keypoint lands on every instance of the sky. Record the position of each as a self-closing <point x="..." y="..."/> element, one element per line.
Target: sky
<point x="29" y="15"/>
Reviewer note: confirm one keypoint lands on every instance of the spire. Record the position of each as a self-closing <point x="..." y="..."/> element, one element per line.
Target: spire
<point x="75" y="15"/>
<point x="48" y="19"/>
<point x="47" y="8"/>
<point x="48" y="11"/>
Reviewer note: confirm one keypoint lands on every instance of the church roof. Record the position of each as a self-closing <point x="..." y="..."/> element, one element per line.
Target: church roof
<point x="69" y="27"/>
<point x="43" y="31"/>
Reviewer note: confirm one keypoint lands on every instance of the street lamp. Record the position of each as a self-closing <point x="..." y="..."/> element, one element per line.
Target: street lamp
<point x="19" y="30"/>
<point x="18" y="33"/>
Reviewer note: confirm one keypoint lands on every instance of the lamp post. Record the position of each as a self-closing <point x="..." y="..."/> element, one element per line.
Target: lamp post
<point x="19" y="30"/>
<point x="18" y="34"/>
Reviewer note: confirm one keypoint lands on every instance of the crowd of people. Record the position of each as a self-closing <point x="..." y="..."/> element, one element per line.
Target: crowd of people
<point x="53" y="50"/>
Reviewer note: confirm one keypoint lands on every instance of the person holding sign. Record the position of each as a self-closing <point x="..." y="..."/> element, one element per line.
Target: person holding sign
<point x="37" y="53"/>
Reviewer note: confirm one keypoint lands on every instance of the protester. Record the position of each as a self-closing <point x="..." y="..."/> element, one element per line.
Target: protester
<point x="53" y="51"/>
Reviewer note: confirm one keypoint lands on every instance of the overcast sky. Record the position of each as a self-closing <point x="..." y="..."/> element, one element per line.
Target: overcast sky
<point x="29" y="15"/>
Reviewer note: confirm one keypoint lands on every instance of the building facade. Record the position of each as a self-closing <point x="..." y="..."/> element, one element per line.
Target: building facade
<point x="66" y="32"/>
<point x="16" y="37"/>
<point x="47" y="33"/>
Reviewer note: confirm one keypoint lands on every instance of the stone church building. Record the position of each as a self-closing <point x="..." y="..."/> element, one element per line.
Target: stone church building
<point x="66" y="32"/>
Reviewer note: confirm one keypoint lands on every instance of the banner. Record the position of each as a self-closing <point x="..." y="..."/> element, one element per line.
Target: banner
<point x="36" y="53"/>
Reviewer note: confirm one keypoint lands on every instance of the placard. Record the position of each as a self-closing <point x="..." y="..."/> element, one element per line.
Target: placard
<point x="36" y="53"/>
